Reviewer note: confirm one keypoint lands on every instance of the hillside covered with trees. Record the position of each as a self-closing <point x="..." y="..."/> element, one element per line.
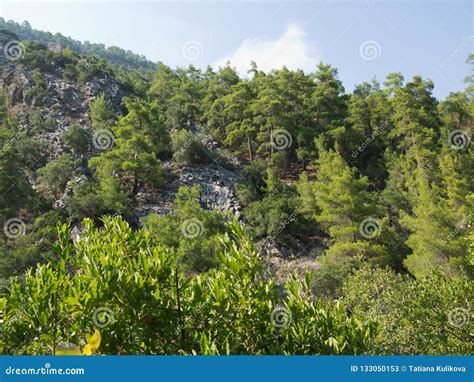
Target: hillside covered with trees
<point x="114" y="54"/>
<point x="371" y="189"/>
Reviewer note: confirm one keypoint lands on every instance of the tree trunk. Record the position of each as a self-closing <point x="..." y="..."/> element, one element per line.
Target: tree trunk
<point x="249" y="145"/>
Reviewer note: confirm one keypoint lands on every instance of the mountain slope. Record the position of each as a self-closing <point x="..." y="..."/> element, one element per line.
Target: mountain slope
<point x="115" y="55"/>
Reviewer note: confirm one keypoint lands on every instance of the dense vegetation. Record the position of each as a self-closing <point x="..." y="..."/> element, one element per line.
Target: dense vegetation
<point x="380" y="180"/>
<point x="115" y="54"/>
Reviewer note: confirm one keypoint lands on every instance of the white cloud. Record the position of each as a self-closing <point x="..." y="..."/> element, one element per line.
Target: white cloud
<point x="291" y="49"/>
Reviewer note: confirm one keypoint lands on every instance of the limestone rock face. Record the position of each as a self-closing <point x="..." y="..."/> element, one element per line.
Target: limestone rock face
<point x="64" y="103"/>
<point x="217" y="190"/>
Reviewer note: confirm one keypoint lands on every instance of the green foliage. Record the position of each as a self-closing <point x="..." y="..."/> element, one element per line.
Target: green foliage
<point x="132" y="162"/>
<point x="32" y="152"/>
<point x="365" y="137"/>
<point x="426" y="316"/>
<point x="37" y="56"/>
<point x="144" y="119"/>
<point x="77" y="139"/>
<point x="433" y="247"/>
<point x="102" y="115"/>
<point x="25" y="251"/>
<point x="86" y="203"/>
<point x="39" y="85"/>
<point x="163" y="86"/>
<point x="53" y="177"/>
<point x="135" y="81"/>
<point x="110" y="190"/>
<point x="338" y="199"/>
<point x="341" y="197"/>
<point x="329" y="100"/>
<point x="118" y="56"/>
<point x="3" y="106"/>
<point x="328" y="279"/>
<point x="184" y="105"/>
<point x="190" y="282"/>
<point x="251" y="185"/>
<point x="39" y="124"/>
<point x="152" y="308"/>
<point x="193" y="232"/>
<point x="188" y="148"/>
<point x="15" y="191"/>
<point x="89" y="68"/>
<point x="270" y="209"/>
<point x="470" y="78"/>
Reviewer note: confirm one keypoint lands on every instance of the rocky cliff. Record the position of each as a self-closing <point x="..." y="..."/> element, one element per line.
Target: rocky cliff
<point x="64" y="103"/>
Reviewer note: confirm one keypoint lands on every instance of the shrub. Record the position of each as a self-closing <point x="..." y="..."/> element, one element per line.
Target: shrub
<point x="187" y="148"/>
<point x="77" y="139"/>
<point x="53" y="177"/>
<point x="146" y="306"/>
<point x="39" y="87"/>
<point x="427" y="316"/>
<point x="193" y="232"/>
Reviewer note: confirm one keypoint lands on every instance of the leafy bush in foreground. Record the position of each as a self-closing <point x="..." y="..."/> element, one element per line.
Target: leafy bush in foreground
<point x="113" y="279"/>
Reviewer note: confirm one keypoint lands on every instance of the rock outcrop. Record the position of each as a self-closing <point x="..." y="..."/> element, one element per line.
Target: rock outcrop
<point x="63" y="104"/>
<point x="217" y="190"/>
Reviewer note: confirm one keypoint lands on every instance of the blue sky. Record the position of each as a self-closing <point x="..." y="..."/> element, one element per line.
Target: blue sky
<point x="362" y="39"/>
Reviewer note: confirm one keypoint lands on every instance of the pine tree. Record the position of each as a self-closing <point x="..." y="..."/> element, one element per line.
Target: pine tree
<point x="102" y="114"/>
<point x="415" y="131"/>
<point x="434" y="238"/>
<point x="219" y="85"/>
<point x="232" y="119"/>
<point x="163" y="86"/>
<point x="328" y="99"/>
<point x="416" y="123"/>
<point x="184" y="108"/>
<point x="367" y="126"/>
<point x="132" y="162"/>
<point x="338" y="199"/>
